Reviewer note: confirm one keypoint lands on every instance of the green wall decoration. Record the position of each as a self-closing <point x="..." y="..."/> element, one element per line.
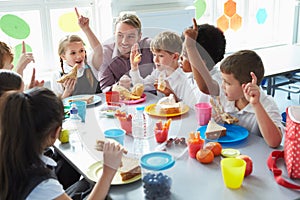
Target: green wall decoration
<point x="200" y="6"/>
<point x="14" y="26"/>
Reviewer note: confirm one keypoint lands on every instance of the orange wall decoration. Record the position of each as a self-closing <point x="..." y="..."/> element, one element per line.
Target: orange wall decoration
<point x="229" y="19"/>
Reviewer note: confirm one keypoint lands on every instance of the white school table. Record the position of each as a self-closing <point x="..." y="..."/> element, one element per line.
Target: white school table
<point x="191" y="179"/>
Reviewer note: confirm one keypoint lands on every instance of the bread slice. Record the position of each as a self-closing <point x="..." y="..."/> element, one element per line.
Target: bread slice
<point x="71" y="75"/>
<point x="125" y="94"/>
<point x="214" y="131"/>
<point x="218" y="108"/>
<point x="130" y="168"/>
<point x="88" y="99"/>
<point x="169" y="108"/>
<point x="161" y="82"/>
<point x="138" y="89"/>
<point x="168" y="105"/>
<point x="229" y="119"/>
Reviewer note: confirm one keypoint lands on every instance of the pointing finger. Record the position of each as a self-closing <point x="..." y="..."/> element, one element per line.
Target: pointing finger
<point x="254" y="78"/>
<point x="23" y="47"/>
<point x="195" y="24"/>
<point x="77" y="13"/>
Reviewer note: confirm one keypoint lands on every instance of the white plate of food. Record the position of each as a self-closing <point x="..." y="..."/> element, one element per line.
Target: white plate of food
<point x="89" y="98"/>
<point x="110" y="110"/>
<point x="128" y="173"/>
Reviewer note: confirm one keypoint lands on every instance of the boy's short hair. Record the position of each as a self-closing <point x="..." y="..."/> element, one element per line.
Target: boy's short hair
<point x="212" y="40"/>
<point x="166" y="41"/>
<point x="5" y="50"/>
<point x="241" y="63"/>
<point x="130" y="19"/>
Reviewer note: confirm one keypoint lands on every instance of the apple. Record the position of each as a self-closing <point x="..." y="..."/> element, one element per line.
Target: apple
<point x="249" y="164"/>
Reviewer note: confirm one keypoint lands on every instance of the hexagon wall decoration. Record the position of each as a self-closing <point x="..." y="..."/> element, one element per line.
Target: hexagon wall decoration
<point x="261" y="16"/>
<point x="229" y="8"/>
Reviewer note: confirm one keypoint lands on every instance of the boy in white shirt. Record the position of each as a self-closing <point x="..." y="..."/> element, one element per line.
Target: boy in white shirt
<point x="166" y="48"/>
<point x="240" y="93"/>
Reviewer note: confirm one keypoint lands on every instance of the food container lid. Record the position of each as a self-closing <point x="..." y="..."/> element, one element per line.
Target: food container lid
<point x="230" y="153"/>
<point x="140" y="108"/>
<point x="157" y="161"/>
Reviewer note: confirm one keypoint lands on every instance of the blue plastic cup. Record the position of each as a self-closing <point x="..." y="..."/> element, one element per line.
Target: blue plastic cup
<point x="116" y="134"/>
<point x="81" y="106"/>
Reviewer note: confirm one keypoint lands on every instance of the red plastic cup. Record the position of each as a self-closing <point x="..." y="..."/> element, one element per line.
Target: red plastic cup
<point x="112" y="97"/>
<point x="194" y="148"/>
<point x="161" y="135"/>
<point x="203" y="113"/>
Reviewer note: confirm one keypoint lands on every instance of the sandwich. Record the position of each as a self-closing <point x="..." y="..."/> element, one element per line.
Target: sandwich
<point x="125" y="94"/>
<point x="214" y="131"/>
<point x="161" y="82"/>
<point x="218" y="108"/>
<point x="88" y="99"/>
<point x="130" y="168"/>
<point x="138" y="89"/>
<point x="137" y="58"/>
<point x="71" y="75"/>
<point x="168" y="105"/>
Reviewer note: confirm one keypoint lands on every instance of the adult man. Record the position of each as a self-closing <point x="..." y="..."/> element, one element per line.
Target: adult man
<point x="116" y="61"/>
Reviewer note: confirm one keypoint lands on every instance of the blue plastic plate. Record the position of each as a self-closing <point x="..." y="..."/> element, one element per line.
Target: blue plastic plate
<point x="234" y="133"/>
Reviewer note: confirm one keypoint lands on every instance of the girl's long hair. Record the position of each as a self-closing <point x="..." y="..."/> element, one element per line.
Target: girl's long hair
<point x="26" y="122"/>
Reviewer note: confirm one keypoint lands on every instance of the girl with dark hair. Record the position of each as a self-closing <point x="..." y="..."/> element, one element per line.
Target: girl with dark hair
<point x="29" y="123"/>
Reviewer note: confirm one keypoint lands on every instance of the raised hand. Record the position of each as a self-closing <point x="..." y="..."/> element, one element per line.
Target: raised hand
<point x="192" y="32"/>
<point x="35" y="83"/>
<point x="135" y="57"/>
<point x="83" y="22"/>
<point x="251" y="90"/>
<point x="24" y="60"/>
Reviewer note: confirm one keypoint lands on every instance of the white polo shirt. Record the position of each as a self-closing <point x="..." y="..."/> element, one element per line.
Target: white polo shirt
<point x="246" y="116"/>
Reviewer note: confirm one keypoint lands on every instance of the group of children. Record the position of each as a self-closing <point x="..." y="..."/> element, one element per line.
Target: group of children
<point x="187" y="64"/>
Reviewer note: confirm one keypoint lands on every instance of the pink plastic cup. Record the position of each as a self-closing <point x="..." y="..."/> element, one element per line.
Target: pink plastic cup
<point x="203" y="113"/>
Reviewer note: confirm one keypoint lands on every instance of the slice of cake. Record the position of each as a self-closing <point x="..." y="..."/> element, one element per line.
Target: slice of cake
<point x="214" y="131"/>
<point x="130" y="168"/>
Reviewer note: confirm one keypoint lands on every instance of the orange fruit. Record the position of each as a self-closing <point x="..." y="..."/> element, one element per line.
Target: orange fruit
<point x="205" y="156"/>
<point x="215" y="147"/>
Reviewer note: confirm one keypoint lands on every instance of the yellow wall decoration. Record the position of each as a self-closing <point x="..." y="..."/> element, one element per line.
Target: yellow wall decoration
<point x="68" y="22"/>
